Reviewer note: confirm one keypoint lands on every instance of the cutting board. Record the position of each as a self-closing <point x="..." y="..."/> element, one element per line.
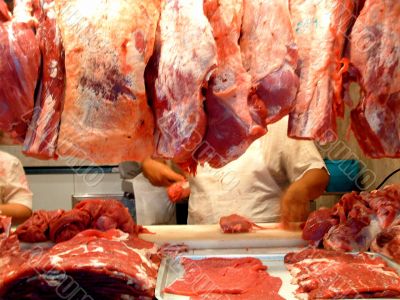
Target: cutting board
<point x="211" y="237"/>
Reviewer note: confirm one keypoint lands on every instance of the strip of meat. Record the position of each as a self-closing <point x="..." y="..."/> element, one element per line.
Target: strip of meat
<point x="270" y="56"/>
<point x="375" y="53"/>
<point x="230" y="127"/>
<point x="186" y="59"/>
<point x="238" y="224"/>
<point x="106" y="118"/>
<point x="41" y="138"/>
<point x="19" y="69"/>
<point x="320" y="27"/>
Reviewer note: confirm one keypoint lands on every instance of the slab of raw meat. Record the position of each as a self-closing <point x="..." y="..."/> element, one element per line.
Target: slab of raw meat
<point x="320" y="28"/>
<point x="186" y="58"/>
<point x="270" y="56"/>
<point x="19" y="69"/>
<point x="323" y="274"/>
<point x="106" y="118"/>
<point x="375" y="53"/>
<point x="178" y="191"/>
<point x="387" y="242"/>
<point x="42" y="134"/>
<point x="93" y="265"/>
<point x="5" y="225"/>
<point x="238" y="224"/>
<point x="215" y="278"/>
<point x="230" y="127"/>
<point x="317" y="225"/>
<point x="67" y="225"/>
<point x="5" y="14"/>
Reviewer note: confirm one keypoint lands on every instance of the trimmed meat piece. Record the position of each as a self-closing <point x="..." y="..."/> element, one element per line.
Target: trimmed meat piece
<point x="238" y="224"/>
<point x="19" y="69"/>
<point x="186" y="58"/>
<point x="178" y="191"/>
<point x="106" y="118"/>
<point x="41" y="138"/>
<point x="68" y="225"/>
<point x="230" y="127"/>
<point x="270" y="56"/>
<point x="387" y="242"/>
<point x="317" y="225"/>
<point x="375" y="53"/>
<point x="320" y="28"/>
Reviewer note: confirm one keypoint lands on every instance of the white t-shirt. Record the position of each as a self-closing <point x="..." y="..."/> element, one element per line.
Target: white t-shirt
<point x="253" y="184"/>
<point x="13" y="184"/>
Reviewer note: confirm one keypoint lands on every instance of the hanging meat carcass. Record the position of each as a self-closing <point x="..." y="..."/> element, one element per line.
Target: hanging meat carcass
<point x="320" y="28"/>
<point x="19" y="69"/>
<point x="228" y="113"/>
<point x="106" y="118"/>
<point x="375" y="53"/>
<point x="41" y="138"/>
<point x="270" y="55"/>
<point x="182" y="64"/>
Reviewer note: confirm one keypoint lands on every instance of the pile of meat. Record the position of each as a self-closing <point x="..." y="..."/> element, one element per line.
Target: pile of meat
<point x="59" y="226"/>
<point x="323" y="274"/>
<point x="359" y="222"/>
<point x="91" y="265"/>
<point x="194" y="80"/>
<point x="226" y="278"/>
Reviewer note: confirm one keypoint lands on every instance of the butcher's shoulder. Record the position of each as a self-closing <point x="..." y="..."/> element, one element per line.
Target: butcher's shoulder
<point x="8" y="161"/>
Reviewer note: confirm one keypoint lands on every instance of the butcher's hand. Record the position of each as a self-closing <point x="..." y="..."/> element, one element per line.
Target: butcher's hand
<point x="159" y="173"/>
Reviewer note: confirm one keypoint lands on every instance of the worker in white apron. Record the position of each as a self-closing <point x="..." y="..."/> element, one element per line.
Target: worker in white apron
<point x="276" y="177"/>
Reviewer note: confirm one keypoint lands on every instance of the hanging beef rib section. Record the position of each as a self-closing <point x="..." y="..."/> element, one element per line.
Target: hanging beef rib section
<point x="375" y="52"/>
<point x="186" y="57"/>
<point x="320" y="28"/>
<point x="270" y="56"/>
<point x="107" y="44"/>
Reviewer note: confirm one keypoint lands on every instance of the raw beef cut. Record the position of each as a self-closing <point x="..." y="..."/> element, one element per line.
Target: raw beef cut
<point x="5" y="226"/>
<point x="320" y="28"/>
<point x="106" y="118"/>
<point x="67" y="225"/>
<point x="270" y="56"/>
<point x="215" y="278"/>
<point x="19" y="68"/>
<point x="92" y="265"/>
<point x="5" y="14"/>
<point x="184" y="62"/>
<point x="317" y="225"/>
<point x="41" y="138"/>
<point x="323" y="274"/>
<point x="237" y="224"/>
<point x="387" y="242"/>
<point x="375" y="53"/>
<point x="230" y="127"/>
<point x="178" y="191"/>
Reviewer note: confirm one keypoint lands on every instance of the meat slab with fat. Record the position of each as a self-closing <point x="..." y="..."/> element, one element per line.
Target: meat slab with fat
<point x="19" y="69"/>
<point x="106" y="118"/>
<point x="215" y="278"/>
<point x="183" y="62"/>
<point x="387" y="242"/>
<point x="269" y="54"/>
<point x="42" y="134"/>
<point x="375" y="53"/>
<point x="320" y="28"/>
<point x="323" y="274"/>
<point x="94" y="263"/>
<point x="228" y="112"/>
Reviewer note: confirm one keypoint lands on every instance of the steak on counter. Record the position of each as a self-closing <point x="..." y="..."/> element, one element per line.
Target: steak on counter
<point x="324" y="274"/>
<point x="106" y="118"/>
<point x="92" y="265"/>
<point x="237" y="224"/>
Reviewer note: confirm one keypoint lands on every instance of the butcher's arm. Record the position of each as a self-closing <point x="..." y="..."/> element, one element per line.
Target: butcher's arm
<point x="18" y="212"/>
<point x="295" y="202"/>
<point x="159" y="173"/>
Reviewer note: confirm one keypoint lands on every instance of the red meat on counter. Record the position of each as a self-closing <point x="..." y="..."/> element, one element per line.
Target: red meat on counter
<point x="238" y="224"/>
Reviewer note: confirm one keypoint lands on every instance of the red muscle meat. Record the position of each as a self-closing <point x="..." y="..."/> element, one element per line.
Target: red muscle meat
<point x="323" y="274"/>
<point x="320" y="28"/>
<point x="230" y="127"/>
<point x="41" y="138"/>
<point x="387" y="242"/>
<point x="178" y="191"/>
<point x="5" y="14"/>
<point x="270" y="56"/>
<point x="214" y="278"/>
<point x="36" y="228"/>
<point x="237" y="224"/>
<point x="5" y="225"/>
<point x="106" y="118"/>
<point x="65" y="226"/>
<point x="186" y="58"/>
<point x="375" y="53"/>
<point x="92" y="265"/>
<point x="19" y="69"/>
<point x="318" y="224"/>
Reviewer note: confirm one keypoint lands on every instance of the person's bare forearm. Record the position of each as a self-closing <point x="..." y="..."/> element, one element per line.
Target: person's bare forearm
<point x="313" y="183"/>
<point x="18" y="212"/>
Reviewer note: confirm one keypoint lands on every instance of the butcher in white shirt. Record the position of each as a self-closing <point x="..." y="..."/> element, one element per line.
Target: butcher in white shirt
<point x="15" y="195"/>
<point x="273" y="181"/>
